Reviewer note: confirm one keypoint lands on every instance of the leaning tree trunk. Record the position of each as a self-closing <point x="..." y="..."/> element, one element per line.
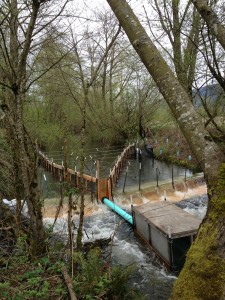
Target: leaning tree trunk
<point x="213" y="22"/>
<point x="203" y="275"/>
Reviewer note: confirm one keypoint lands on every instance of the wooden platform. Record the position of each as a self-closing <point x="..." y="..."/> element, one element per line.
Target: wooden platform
<point x="169" y="218"/>
<point x="167" y="229"/>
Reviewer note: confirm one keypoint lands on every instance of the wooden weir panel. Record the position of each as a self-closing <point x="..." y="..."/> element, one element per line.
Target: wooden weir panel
<point x="103" y="189"/>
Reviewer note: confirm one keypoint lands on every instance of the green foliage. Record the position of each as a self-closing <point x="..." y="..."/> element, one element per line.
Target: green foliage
<point x="6" y="184"/>
<point x="22" y="279"/>
<point x="50" y="135"/>
<point x="120" y="284"/>
<point x="4" y="290"/>
<point x="92" y="278"/>
<point x="22" y="244"/>
<point x="21" y="254"/>
<point x="71" y="191"/>
<point x="40" y="279"/>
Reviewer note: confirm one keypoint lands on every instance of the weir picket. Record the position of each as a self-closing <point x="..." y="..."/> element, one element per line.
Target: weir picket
<point x="103" y="186"/>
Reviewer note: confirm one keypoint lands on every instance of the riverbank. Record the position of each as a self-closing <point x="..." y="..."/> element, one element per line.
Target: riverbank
<point x="182" y="190"/>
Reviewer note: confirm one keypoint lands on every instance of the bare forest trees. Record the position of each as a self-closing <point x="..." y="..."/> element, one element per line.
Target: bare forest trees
<point x="195" y="53"/>
<point x="180" y="24"/>
<point x="203" y="274"/>
<point x="22" y="27"/>
<point x="102" y="80"/>
<point x="100" y="66"/>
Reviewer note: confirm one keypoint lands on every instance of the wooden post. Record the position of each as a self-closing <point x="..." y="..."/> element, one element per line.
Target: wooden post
<point x="63" y="172"/>
<point x="75" y="176"/>
<point x="125" y="179"/>
<point x="139" y="176"/>
<point x="52" y="168"/>
<point x="65" y="175"/>
<point x="172" y="178"/>
<point x="98" y="177"/>
<point x="78" y="181"/>
<point x="111" y="188"/>
<point x="157" y="176"/>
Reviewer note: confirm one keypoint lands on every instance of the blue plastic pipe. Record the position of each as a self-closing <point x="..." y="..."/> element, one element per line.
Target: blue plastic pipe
<point x="118" y="210"/>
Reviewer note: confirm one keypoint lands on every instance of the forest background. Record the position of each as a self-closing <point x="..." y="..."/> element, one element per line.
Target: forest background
<point x="86" y="83"/>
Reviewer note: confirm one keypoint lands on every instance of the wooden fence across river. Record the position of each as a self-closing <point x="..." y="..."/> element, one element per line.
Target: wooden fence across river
<point x="102" y="186"/>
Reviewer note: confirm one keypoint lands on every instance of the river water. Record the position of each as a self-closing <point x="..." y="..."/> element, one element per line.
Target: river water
<point x="140" y="172"/>
<point x="144" y="172"/>
<point x="150" y="277"/>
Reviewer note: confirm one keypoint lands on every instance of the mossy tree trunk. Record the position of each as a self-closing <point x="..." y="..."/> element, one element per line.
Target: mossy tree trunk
<point x="203" y="276"/>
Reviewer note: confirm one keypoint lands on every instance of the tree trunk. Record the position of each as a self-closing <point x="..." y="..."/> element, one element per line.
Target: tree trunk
<point x="24" y="156"/>
<point x="213" y="22"/>
<point x="25" y="170"/>
<point x="81" y="192"/>
<point x="203" y="274"/>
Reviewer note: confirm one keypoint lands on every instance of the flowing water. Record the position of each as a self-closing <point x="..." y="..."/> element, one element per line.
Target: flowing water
<point x="150" y="277"/>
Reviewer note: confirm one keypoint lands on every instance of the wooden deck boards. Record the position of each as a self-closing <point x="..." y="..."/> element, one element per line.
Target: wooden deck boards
<point x="169" y="218"/>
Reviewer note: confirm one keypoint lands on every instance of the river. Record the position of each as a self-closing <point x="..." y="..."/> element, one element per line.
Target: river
<point x="150" y="277"/>
<point x="140" y="172"/>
